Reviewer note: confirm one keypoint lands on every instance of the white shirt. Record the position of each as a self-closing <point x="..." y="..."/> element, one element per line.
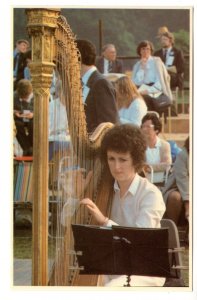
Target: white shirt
<point x="169" y="57"/>
<point x="134" y="113"/>
<point x="153" y="154"/>
<point x="85" y="79"/>
<point x="106" y="66"/>
<point x="141" y="206"/>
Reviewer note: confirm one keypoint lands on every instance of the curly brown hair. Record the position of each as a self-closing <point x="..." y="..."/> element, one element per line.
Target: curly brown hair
<point x="125" y="138"/>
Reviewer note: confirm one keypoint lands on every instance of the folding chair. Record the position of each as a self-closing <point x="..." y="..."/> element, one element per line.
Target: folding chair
<point x="175" y="258"/>
<point x="159" y="178"/>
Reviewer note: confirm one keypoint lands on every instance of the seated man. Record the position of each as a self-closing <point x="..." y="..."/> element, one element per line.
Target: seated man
<point x="108" y="63"/>
<point x="173" y="59"/>
<point x="23" y="115"/>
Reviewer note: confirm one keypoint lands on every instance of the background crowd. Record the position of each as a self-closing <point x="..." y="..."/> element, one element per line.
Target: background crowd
<point x="132" y="103"/>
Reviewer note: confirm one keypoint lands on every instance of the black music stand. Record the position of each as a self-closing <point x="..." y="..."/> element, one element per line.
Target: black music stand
<point x="122" y="251"/>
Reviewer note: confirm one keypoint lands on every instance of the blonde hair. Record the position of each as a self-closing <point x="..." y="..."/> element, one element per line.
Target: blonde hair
<point x="126" y="92"/>
<point x="162" y="30"/>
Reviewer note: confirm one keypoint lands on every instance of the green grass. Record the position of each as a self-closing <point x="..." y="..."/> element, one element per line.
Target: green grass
<point x="22" y="247"/>
<point x="185" y="261"/>
<point x="185" y="97"/>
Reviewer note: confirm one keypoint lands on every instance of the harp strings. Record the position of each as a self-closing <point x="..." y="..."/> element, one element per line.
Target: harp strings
<point x="70" y="162"/>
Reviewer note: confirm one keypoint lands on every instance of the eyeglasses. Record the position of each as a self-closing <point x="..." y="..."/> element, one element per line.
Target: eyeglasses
<point x="145" y="48"/>
<point x="148" y="126"/>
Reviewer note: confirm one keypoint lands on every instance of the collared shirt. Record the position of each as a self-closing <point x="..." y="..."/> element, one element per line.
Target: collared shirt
<point x="141" y="206"/>
<point x="106" y="66"/>
<point x="153" y="154"/>
<point x="85" y="79"/>
<point x="169" y="57"/>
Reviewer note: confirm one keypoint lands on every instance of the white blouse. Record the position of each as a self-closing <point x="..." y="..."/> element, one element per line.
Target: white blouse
<point x="141" y="206"/>
<point x="147" y="74"/>
<point x="153" y="154"/>
<point x="134" y="113"/>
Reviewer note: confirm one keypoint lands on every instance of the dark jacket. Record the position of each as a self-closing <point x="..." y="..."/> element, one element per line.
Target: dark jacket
<point x="100" y="104"/>
<point x="21" y="66"/>
<point x="117" y="66"/>
<point x="176" y="79"/>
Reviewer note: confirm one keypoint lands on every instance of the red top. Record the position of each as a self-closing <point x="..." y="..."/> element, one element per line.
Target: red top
<point x="24" y="158"/>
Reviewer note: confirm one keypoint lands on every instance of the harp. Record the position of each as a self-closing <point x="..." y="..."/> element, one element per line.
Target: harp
<point x="53" y="46"/>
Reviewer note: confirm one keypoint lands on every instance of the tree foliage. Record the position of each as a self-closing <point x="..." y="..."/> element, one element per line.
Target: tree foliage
<point x="123" y="27"/>
<point x="182" y="40"/>
<point x="127" y="27"/>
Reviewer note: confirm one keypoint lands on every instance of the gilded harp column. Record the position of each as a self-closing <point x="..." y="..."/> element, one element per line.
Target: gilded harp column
<point x="41" y="25"/>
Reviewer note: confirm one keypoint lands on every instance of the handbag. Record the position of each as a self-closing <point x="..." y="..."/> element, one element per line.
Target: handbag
<point x="161" y="102"/>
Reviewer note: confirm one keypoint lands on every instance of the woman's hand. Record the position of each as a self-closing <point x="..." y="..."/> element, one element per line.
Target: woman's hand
<point x="94" y="210"/>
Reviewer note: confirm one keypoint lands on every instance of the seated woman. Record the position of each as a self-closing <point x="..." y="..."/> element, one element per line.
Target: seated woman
<point x="131" y="105"/>
<point x="136" y="202"/>
<point x="176" y="190"/>
<point x="150" y="75"/>
<point x="158" y="152"/>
